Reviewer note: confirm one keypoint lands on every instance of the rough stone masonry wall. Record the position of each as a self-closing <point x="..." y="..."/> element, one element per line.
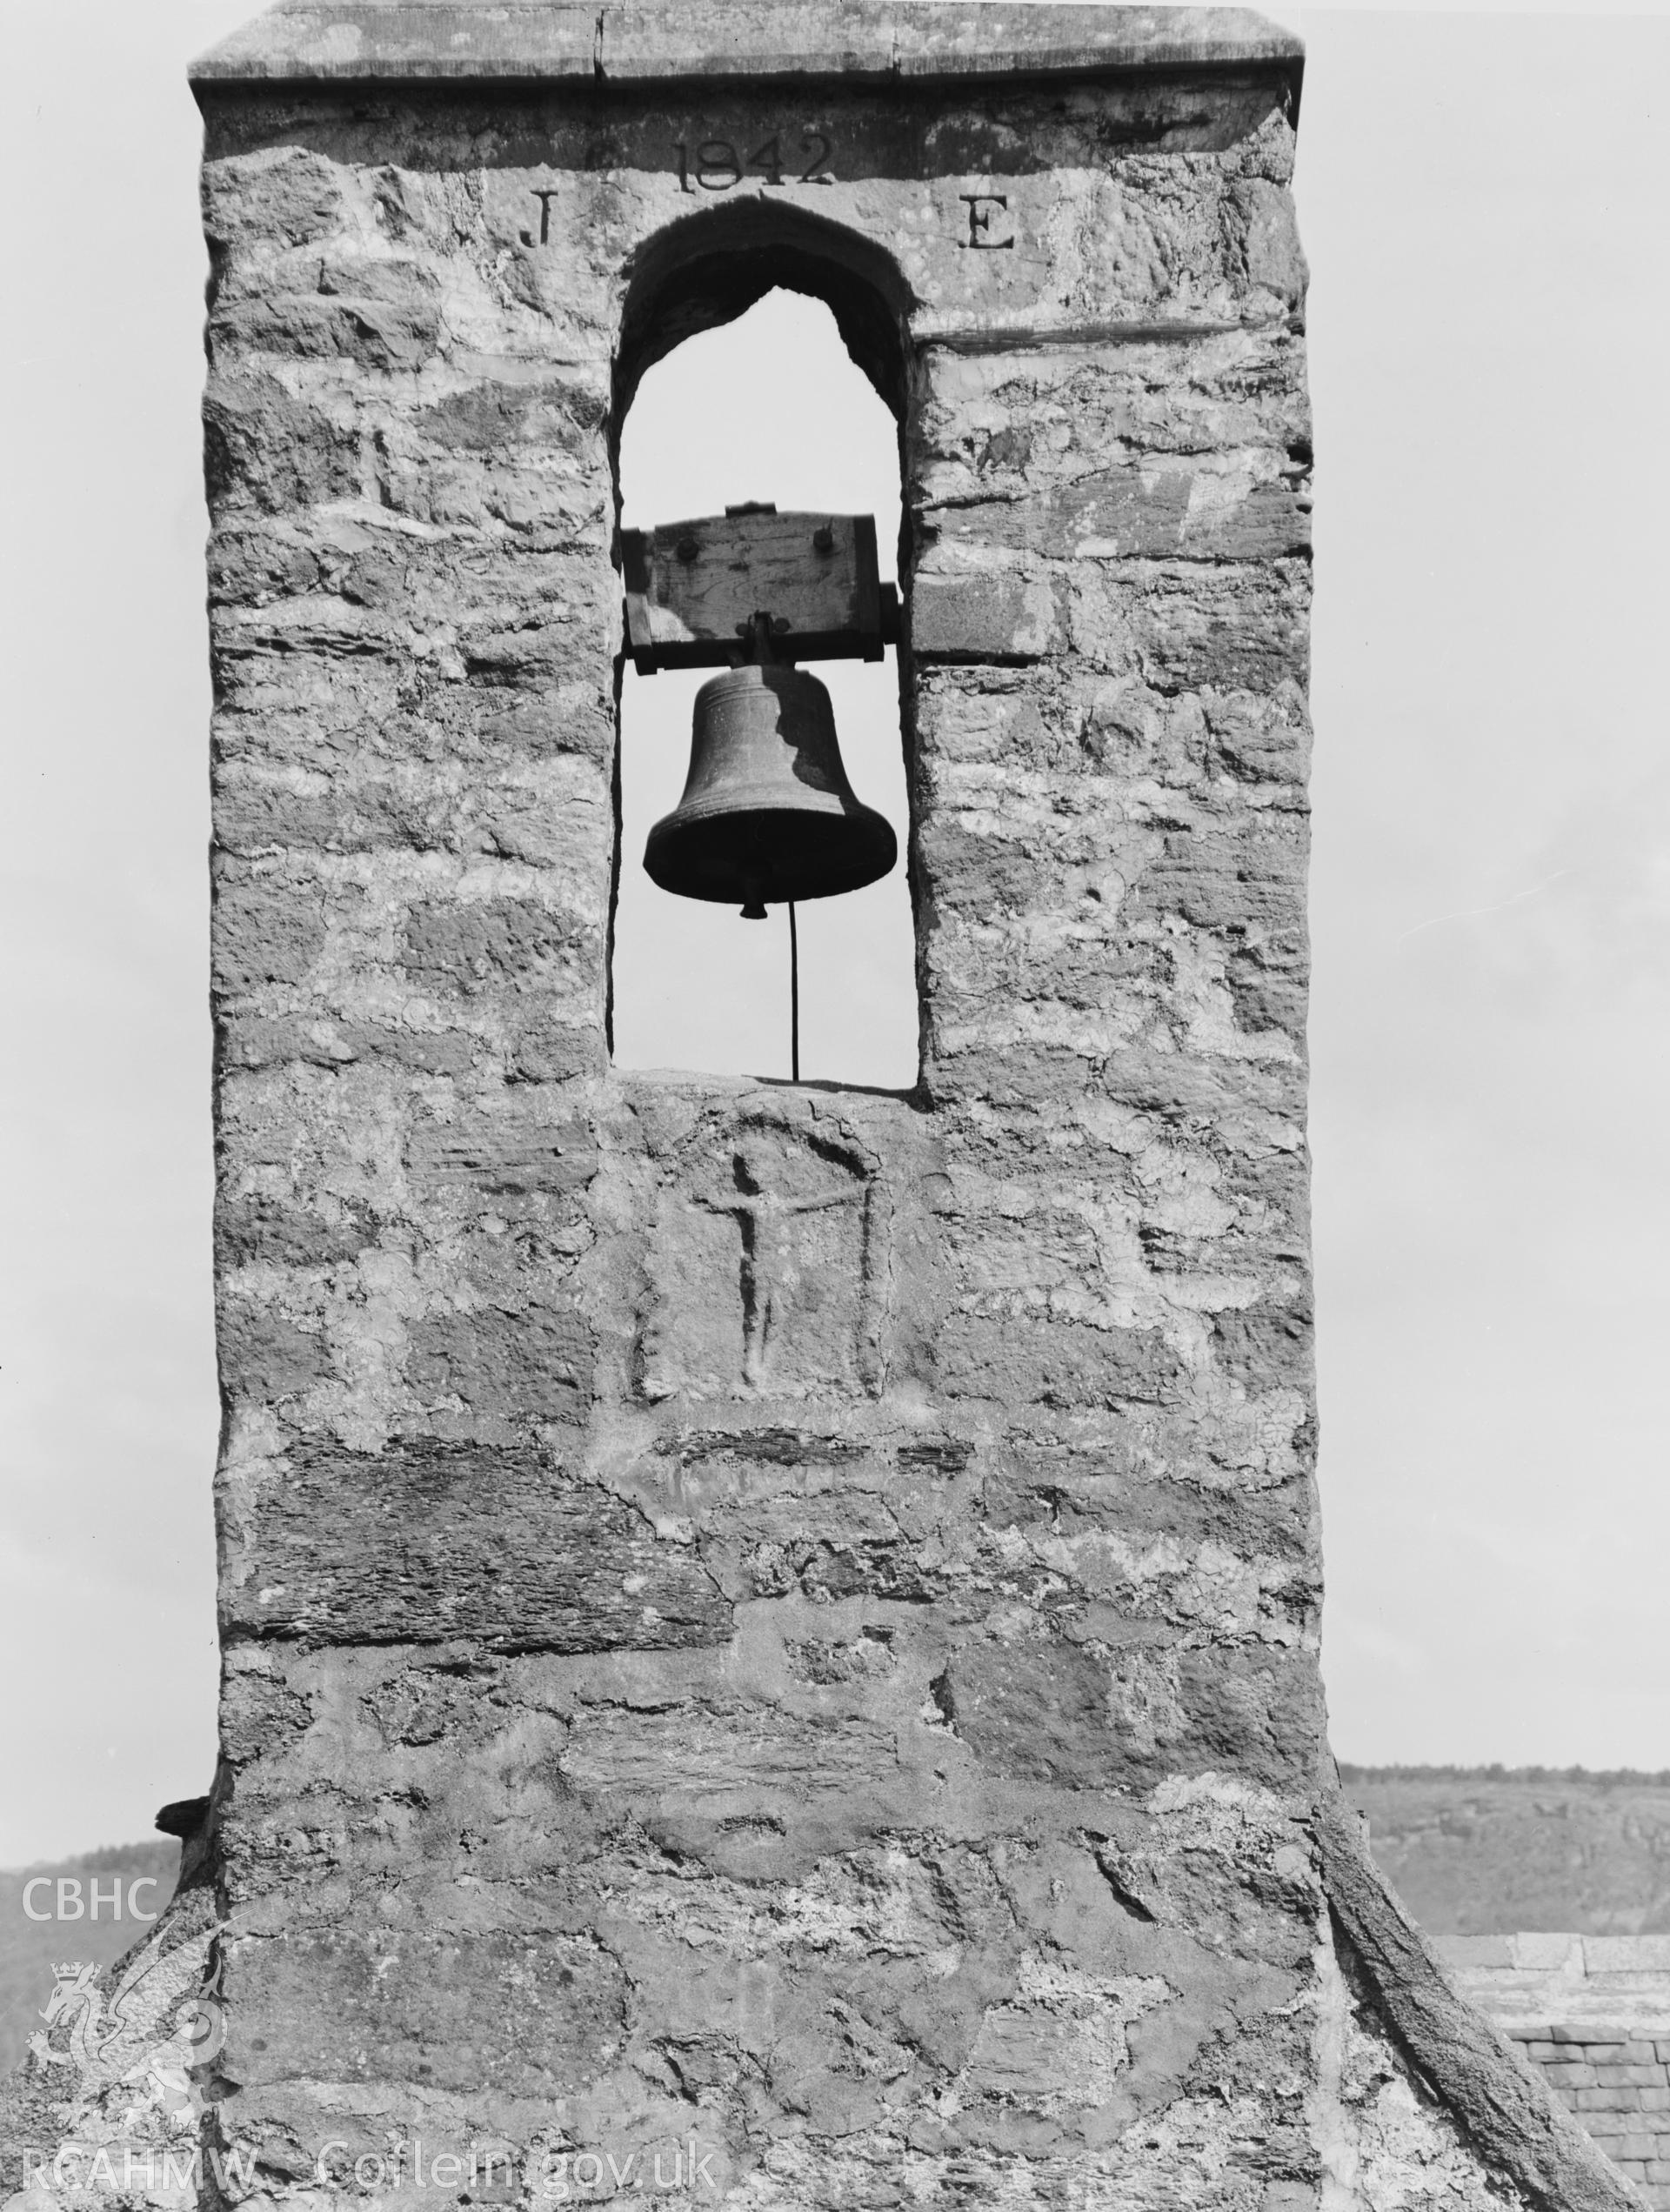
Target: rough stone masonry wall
<point x="775" y="1618"/>
<point x="779" y="1613"/>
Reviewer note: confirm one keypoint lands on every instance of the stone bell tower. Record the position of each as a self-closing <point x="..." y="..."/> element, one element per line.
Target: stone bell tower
<point x="884" y="1765"/>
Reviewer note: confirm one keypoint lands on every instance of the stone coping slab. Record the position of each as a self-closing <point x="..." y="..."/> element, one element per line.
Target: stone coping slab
<point x="1536" y="1953"/>
<point x="1565" y="1986"/>
<point x="422" y="41"/>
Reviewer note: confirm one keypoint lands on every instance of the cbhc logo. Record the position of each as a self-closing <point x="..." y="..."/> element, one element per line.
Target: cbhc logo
<point x="69" y="1903"/>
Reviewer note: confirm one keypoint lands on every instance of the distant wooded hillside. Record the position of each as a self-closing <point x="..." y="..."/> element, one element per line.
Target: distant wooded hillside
<point x="1495" y="1850"/>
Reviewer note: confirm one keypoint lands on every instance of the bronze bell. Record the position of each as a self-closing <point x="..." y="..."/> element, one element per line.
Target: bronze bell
<point x="767" y="813"/>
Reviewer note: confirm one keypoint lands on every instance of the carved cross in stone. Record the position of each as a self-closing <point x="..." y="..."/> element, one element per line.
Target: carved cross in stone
<point x="773" y="1273"/>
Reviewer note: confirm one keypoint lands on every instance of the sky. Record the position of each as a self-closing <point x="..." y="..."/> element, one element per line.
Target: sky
<point x="1485" y="201"/>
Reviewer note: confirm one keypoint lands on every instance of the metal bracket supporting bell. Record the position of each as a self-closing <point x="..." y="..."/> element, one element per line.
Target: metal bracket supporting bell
<point x="691" y="587"/>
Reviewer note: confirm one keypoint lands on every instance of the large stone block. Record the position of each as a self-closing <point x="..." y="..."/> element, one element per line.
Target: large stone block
<point x="427" y="1541"/>
<point x="538" y="2013"/>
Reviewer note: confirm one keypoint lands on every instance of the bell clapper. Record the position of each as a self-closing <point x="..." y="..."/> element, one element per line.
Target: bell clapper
<point x="794" y="997"/>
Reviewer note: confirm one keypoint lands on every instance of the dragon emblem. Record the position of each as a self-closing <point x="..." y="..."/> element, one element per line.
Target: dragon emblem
<point x="98" y="2031"/>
